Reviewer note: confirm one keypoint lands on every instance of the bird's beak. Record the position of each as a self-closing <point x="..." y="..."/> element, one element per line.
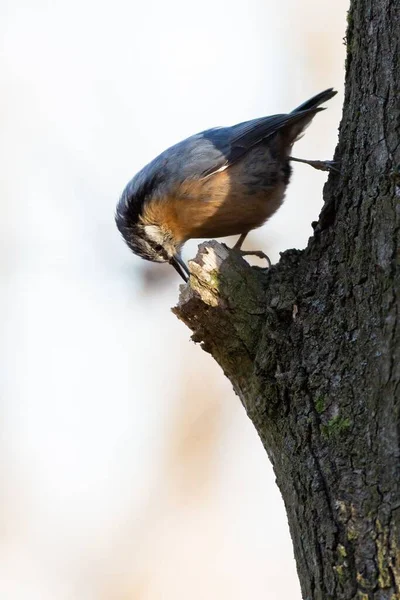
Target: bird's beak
<point x="178" y="264"/>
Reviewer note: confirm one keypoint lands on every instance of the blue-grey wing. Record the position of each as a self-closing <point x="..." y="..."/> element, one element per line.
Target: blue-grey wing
<point x="204" y="154"/>
<point x="234" y="142"/>
<point x="214" y="149"/>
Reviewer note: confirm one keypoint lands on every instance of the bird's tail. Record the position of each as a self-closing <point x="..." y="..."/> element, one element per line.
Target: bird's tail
<point x="299" y="119"/>
<point x="316" y="101"/>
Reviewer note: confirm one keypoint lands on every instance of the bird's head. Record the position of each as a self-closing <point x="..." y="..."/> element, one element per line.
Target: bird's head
<point x="149" y="241"/>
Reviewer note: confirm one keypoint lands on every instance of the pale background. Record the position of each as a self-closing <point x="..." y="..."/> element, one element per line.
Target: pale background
<point x="129" y="469"/>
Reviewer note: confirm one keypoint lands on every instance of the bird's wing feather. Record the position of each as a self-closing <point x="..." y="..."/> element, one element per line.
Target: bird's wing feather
<point x="235" y="141"/>
<point x="210" y="151"/>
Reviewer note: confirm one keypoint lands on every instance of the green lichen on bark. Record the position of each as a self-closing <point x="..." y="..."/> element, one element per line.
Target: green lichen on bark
<point x="335" y="426"/>
<point x="320" y="404"/>
<point x="382" y="544"/>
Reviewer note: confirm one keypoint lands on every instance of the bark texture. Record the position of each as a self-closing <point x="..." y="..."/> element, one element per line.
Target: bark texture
<point x="312" y="347"/>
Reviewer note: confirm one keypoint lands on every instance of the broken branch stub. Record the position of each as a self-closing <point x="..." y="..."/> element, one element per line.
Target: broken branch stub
<point x="223" y="304"/>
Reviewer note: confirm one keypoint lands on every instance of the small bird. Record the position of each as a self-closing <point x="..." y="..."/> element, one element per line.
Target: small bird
<point x="220" y="182"/>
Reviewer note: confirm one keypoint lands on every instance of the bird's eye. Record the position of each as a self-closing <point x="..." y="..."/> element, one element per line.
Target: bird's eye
<point x="158" y="248"/>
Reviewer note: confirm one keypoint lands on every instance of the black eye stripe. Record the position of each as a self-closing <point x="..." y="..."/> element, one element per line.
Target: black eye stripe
<point x="159" y="249"/>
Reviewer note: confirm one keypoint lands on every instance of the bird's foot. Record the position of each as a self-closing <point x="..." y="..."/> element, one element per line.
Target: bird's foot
<point x="237" y="248"/>
<point x="321" y="165"/>
<point x="258" y="253"/>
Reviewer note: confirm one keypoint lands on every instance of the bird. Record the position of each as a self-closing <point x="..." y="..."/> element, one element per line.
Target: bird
<point x="219" y="182"/>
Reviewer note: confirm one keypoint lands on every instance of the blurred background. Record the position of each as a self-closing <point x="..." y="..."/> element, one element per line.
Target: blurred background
<point x="129" y="469"/>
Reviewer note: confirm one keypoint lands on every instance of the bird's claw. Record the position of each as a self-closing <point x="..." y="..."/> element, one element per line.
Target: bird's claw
<point x="320" y="165"/>
<point x="258" y="253"/>
<point x="325" y="165"/>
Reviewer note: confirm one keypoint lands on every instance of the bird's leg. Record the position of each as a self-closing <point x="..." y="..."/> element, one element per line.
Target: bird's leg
<point x="238" y="248"/>
<point x="240" y="241"/>
<point x="321" y="165"/>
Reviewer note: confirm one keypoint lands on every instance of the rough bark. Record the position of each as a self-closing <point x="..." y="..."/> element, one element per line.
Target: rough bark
<point x="312" y="347"/>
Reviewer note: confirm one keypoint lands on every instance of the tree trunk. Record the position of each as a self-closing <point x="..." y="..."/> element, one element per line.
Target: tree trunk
<point x="312" y="346"/>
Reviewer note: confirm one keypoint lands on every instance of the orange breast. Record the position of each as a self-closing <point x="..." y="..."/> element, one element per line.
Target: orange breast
<point x="217" y="206"/>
